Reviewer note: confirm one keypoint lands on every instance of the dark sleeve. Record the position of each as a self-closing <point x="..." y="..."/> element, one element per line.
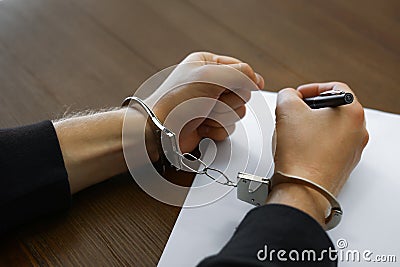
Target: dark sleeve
<point x="267" y="229"/>
<point x="33" y="178"/>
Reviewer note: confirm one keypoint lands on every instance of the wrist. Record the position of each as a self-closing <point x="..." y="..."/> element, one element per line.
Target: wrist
<point x="302" y="198"/>
<point x="138" y="126"/>
<point x="320" y="175"/>
<point x="153" y="141"/>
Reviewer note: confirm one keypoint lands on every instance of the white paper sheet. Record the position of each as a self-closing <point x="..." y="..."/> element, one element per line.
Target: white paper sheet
<point x="370" y="200"/>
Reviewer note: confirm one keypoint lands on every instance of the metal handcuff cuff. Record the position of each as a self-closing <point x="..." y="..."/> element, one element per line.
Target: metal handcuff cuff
<point x="169" y="151"/>
<point x="257" y="196"/>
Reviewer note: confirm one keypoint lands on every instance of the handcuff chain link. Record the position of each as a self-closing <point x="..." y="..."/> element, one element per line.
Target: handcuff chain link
<point x="206" y="170"/>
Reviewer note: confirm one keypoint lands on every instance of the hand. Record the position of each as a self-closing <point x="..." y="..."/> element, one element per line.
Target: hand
<point x="322" y="145"/>
<point x="202" y="66"/>
<point x="92" y="147"/>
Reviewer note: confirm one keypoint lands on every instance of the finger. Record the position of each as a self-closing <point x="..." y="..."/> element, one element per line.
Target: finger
<point x="231" y="100"/>
<point x="314" y="89"/>
<point x="249" y="72"/>
<point x="212" y="123"/>
<point x="225" y="60"/>
<point x="215" y="133"/>
<point x="213" y="58"/>
<point x="289" y="99"/>
<point x="261" y="82"/>
<point x="354" y="110"/>
<point x="366" y="139"/>
<point x="225" y="119"/>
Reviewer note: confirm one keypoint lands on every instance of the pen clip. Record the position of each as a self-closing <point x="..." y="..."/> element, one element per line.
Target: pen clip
<point x="332" y="92"/>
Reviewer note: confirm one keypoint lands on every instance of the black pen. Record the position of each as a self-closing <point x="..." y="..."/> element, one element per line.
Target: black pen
<point x="331" y="99"/>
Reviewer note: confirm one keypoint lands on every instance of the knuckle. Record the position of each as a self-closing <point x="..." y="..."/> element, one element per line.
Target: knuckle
<point x="285" y="91"/>
<point x="340" y="83"/>
<point x="357" y="114"/>
<point x="221" y="135"/>
<point x="198" y="53"/>
<point x="242" y="112"/>
<point x="285" y="97"/>
<point x="243" y="95"/>
<point x="246" y="96"/>
<point x="245" y="66"/>
<point x="366" y="138"/>
<point x="213" y="123"/>
<point x="194" y="54"/>
<point x="247" y="69"/>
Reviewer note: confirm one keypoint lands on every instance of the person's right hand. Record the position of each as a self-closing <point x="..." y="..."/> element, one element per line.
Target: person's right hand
<point x="322" y="145"/>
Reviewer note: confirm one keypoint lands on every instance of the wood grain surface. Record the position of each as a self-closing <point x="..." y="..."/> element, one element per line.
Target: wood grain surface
<point x="59" y="56"/>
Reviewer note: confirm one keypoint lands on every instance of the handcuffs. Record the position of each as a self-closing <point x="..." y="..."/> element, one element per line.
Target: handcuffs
<point x="170" y="154"/>
<point x="259" y="196"/>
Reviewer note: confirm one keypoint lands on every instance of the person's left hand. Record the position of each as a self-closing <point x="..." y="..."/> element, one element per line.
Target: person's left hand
<point x="194" y="82"/>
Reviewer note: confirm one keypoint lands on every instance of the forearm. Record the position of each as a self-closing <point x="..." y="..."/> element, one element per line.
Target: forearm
<point x="92" y="145"/>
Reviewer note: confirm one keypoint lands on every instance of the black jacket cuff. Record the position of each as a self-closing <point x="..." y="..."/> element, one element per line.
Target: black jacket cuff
<point x="275" y="227"/>
<point x="34" y="180"/>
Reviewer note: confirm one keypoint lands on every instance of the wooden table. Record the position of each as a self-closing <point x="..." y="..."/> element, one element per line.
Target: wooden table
<point x="59" y="56"/>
